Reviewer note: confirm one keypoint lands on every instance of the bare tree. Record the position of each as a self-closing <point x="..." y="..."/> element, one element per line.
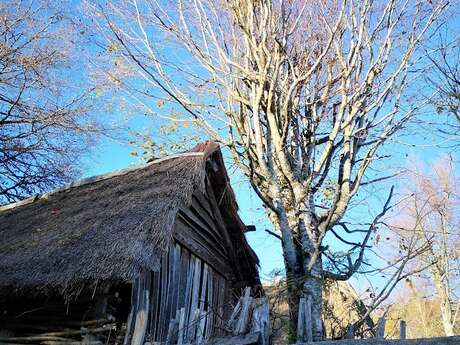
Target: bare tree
<point x="303" y="94"/>
<point x="44" y="119"/>
<point x="431" y="215"/>
<point x="445" y="79"/>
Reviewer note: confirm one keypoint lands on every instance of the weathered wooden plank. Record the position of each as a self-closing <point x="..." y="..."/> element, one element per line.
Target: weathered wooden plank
<point x="185" y="258"/>
<point x="350" y="332"/>
<point x="201" y="328"/>
<point x="204" y="202"/>
<point x="134" y="302"/>
<point x="204" y="284"/>
<point x="170" y="311"/>
<point x="188" y="239"/>
<point x="180" y="334"/>
<point x="217" y="315"/>
<point x="193" y="219"/>
<point x="224" y="298"/>
<point x="188" y="291"/>
<point x="402" y="329"/>
<point x="176" y="277"/>
<point x="163" y="323"/>
<point x="308" y="319"/>
<point x="141" y="318"/>
<point x="210" y="315"/>
<point x="243" y="319"/>
<point x="380" y="334"/>
<point x="154" y="305"/>
<point x="231" y="322"/>
<point x="220" y="222"/>
<point x="213" y="229"/>
<point x="192" y="326"/>
<point x="261" y="320"/>
<point x="195" y="299"/>
<point x="173" y="330"/>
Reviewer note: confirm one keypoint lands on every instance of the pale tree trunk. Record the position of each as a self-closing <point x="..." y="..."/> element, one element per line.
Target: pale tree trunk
<point x="313" y="283"/>
<point x="442" y="288"/>
<point x="300" y="279"/>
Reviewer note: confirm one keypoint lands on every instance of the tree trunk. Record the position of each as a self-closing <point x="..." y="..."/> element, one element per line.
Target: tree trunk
<point x="299" y="281"/>
<point x="313" y="286"/>
<point x="442" y="286"/>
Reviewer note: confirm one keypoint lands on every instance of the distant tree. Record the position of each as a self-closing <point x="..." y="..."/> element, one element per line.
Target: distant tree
<point x="304" y="94"/>
<point x="45" y="123"/>
<point x="431" y="215"/>
<point x="445" y="79"/>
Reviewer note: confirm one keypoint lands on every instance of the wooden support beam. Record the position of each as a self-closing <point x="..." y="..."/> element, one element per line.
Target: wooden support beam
<point x="381" y="328"/>
<point x="350" y="332"/>
<point x="242" y="323"/>
<point x="261" y="320"/>
<point x="402" y="329"/>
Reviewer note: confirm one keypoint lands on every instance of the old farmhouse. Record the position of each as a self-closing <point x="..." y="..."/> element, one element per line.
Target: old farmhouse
<point x="115" y="258"/>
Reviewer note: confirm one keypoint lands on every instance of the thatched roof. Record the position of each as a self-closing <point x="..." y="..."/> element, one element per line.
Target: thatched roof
<point x="107" y="227"/>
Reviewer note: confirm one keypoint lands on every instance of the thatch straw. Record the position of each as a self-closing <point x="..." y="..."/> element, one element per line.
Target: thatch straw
<point x="104" y="229"/>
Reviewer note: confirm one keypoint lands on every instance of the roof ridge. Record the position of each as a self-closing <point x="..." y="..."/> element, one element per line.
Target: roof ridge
<point x="96" y="178"/>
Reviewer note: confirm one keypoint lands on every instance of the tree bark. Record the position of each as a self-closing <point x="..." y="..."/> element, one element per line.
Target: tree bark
<point x="299" y="279"/>
<point x="442" y="288"/>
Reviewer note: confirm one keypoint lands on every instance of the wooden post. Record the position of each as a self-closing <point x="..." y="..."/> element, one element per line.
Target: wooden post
<point x="244" y="316"/>
<point x="402" y="329"/>
<point x="141" y="318"/>
<point x="350" y="332"/>
<point x="304" y="322"/>
<point x="261" y="320"/>
<point x="308" y="320"/>
<point x="381" y="328"/>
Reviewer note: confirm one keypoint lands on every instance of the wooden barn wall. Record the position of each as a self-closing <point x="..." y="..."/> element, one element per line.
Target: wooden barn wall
<point x="194" y="288"/>
<point x="186" y="289"/>
<point x="201" y="228"/>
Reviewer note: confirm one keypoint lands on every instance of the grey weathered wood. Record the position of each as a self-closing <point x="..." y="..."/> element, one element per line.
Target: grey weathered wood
<point x="162" y="322"/>
<point x="223" y="298"/>
<point x="204" y="284"/>
<point x="402" y="329"/>
<point x="233" y="316"/>
<point x="193" y="325"/>
<point x="141" y="318"/>
<point x="261" y="320"/>
<point x="180" y="333"/>
<point x="134" y="302"/>
<point x="210" y="315"/>
<point x="243" y="319"/>
<point x="350" y="332"/>
<point x="154" y="302"/>
<point x="200" y="332"/>
<point x="194" y="300"/>
<point x="191" y="240"/>
<point x="308" y="319"/>
<point x="188" y="290"/>
<point x="173" y="330"/>
<point x="380" y="334"/>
